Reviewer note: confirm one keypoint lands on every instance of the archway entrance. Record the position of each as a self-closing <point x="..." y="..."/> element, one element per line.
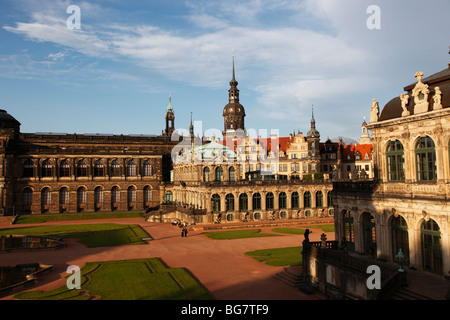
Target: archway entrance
<point x="431" y="246"/>
<point x="369" y="235"/>
<point x="349" y="231"/>
<point x="400" y="238"/>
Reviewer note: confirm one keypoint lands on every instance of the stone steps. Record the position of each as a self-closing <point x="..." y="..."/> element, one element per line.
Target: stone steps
<point x="291" y="276"/>
<point x="406" y="294"/>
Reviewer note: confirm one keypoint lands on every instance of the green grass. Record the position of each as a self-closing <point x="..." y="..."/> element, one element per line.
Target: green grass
<point x="313" y="228"/>
<point x="75" y="216"/>
<point x="137" y="279"/>
<point x="289" y="230"/>
<point x="92" y="235"/>
<point x="324" y="227"/>
<point x="237" y="234"/>
<point x="290" y="256"/>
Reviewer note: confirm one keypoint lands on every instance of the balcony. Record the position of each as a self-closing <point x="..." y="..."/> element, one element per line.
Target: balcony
<point x="340" y="275"/>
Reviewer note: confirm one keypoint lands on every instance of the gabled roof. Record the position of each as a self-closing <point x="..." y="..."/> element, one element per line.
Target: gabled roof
<point x="351" y="150"/>
<point x="284" y="143"/>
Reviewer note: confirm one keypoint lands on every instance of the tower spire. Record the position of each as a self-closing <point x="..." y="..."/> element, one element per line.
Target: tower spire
<point x="233" y="69"/>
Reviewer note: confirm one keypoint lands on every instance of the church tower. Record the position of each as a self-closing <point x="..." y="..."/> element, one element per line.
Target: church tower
<point x="233" y="112"/>
<point x="170" y="119"/>
<point x="313" y="138"/>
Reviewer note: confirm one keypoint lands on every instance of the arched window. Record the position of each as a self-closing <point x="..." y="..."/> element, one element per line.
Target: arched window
<point x="206" y="174"/>
<point x="400" y="238"/>
<point x="115" y="194"/>
<point x="98" y="195"/>
<point x="131" y="168"/>
<point x="131" y="194"/>
<point x="99" y="169"/>
<point x="147" y="168"/>
<point x="269" y="201"/>
<point x="169" y="197"/>
<point x="319" y="199"/>
<point x="63" y="195"/>
<point x="257" y="201"/>
<point x="295" y="203"/>
<point x="232" y="174"/>
<point x="47" y="168"/>
<point x="395" y="161"/>
<point x="431" y="246"/>
<point x="215" y="203"/>
<point x="349" y="232"/>
<point x="307" y="199"/>
<point x="229" y="202"/>
<point x="81" y="168"/>
<point x="369" y="235"/>
<point x="425" y="159"/>
<point x="28" y="168"/>
<point x="219" y="174"/>
<point x="81" y="195"/>
<point x="243" y="202"/>
<point x="282" y="200"/>
<point x="46" y="196"/>
<point x="115" y="168"/>
<point x="147" y="194"/>
<point x="27" y="196"/>
<point x="64" y="169"/>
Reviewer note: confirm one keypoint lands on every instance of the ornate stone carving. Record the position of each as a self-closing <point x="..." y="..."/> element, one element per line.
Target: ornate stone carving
<point x="437" y="99"/>
<point x="420" y="94"/>
<point x="374" y="111"/>
<point x="404" y="101"/>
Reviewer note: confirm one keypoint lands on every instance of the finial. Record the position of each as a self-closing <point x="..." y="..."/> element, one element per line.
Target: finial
<point x="233" y="66"/>
<point x="169" y="107"/>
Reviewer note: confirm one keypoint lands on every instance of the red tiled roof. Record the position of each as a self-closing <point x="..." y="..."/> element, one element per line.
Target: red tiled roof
<point x="284" y="142"/>
<point x="350" y="150"/>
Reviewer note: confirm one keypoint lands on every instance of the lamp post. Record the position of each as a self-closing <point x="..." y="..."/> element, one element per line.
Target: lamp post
<point x="400" y="257"/>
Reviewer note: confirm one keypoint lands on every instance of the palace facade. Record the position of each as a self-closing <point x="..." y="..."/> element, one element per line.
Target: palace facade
<point x="235" y="178"/>
<point x="401" y="217"/>
<point x="245" y="178"/>
<point x="64" y="173"/>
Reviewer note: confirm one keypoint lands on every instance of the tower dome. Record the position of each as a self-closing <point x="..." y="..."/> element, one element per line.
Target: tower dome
<point x="233" y="112"/>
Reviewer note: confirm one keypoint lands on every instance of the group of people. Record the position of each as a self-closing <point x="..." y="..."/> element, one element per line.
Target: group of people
<point x="182" y="226"/>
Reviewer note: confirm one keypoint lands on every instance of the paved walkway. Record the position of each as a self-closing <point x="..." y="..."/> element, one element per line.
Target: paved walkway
<point x="220" y="265"/>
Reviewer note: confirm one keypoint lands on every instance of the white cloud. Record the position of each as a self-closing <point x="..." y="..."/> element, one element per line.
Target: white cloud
<point x="339" y="66"/>
<point x="57" y="56"/>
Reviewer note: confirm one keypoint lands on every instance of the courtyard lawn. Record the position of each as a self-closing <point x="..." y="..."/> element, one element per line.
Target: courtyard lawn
<point x="324" y="227"/>
<point x="75" y="216"/>
<point x="312" y="228"/>
<point x="92" y="235"/>
<point x="289" y="230"/>
<point x="290" y="256"/>
<point x="137" y="279"/>
<point x="237" y="234"/>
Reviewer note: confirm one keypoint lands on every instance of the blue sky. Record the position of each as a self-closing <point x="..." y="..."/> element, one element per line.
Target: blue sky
<point x="115" y="74"/>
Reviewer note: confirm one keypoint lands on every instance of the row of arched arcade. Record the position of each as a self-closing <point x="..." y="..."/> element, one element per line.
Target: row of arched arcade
<point x="382" y="236"/>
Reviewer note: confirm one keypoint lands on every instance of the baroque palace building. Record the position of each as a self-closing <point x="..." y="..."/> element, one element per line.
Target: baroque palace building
<point x="237" y="177"/>
<point x="402" y="215"/>
<point x="64" y="173"/>
<point x="252" y="178"/>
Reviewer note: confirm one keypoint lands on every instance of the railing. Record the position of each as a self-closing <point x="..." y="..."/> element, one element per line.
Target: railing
<point x="329" y="253"/>
<point x="208" y="184"/>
